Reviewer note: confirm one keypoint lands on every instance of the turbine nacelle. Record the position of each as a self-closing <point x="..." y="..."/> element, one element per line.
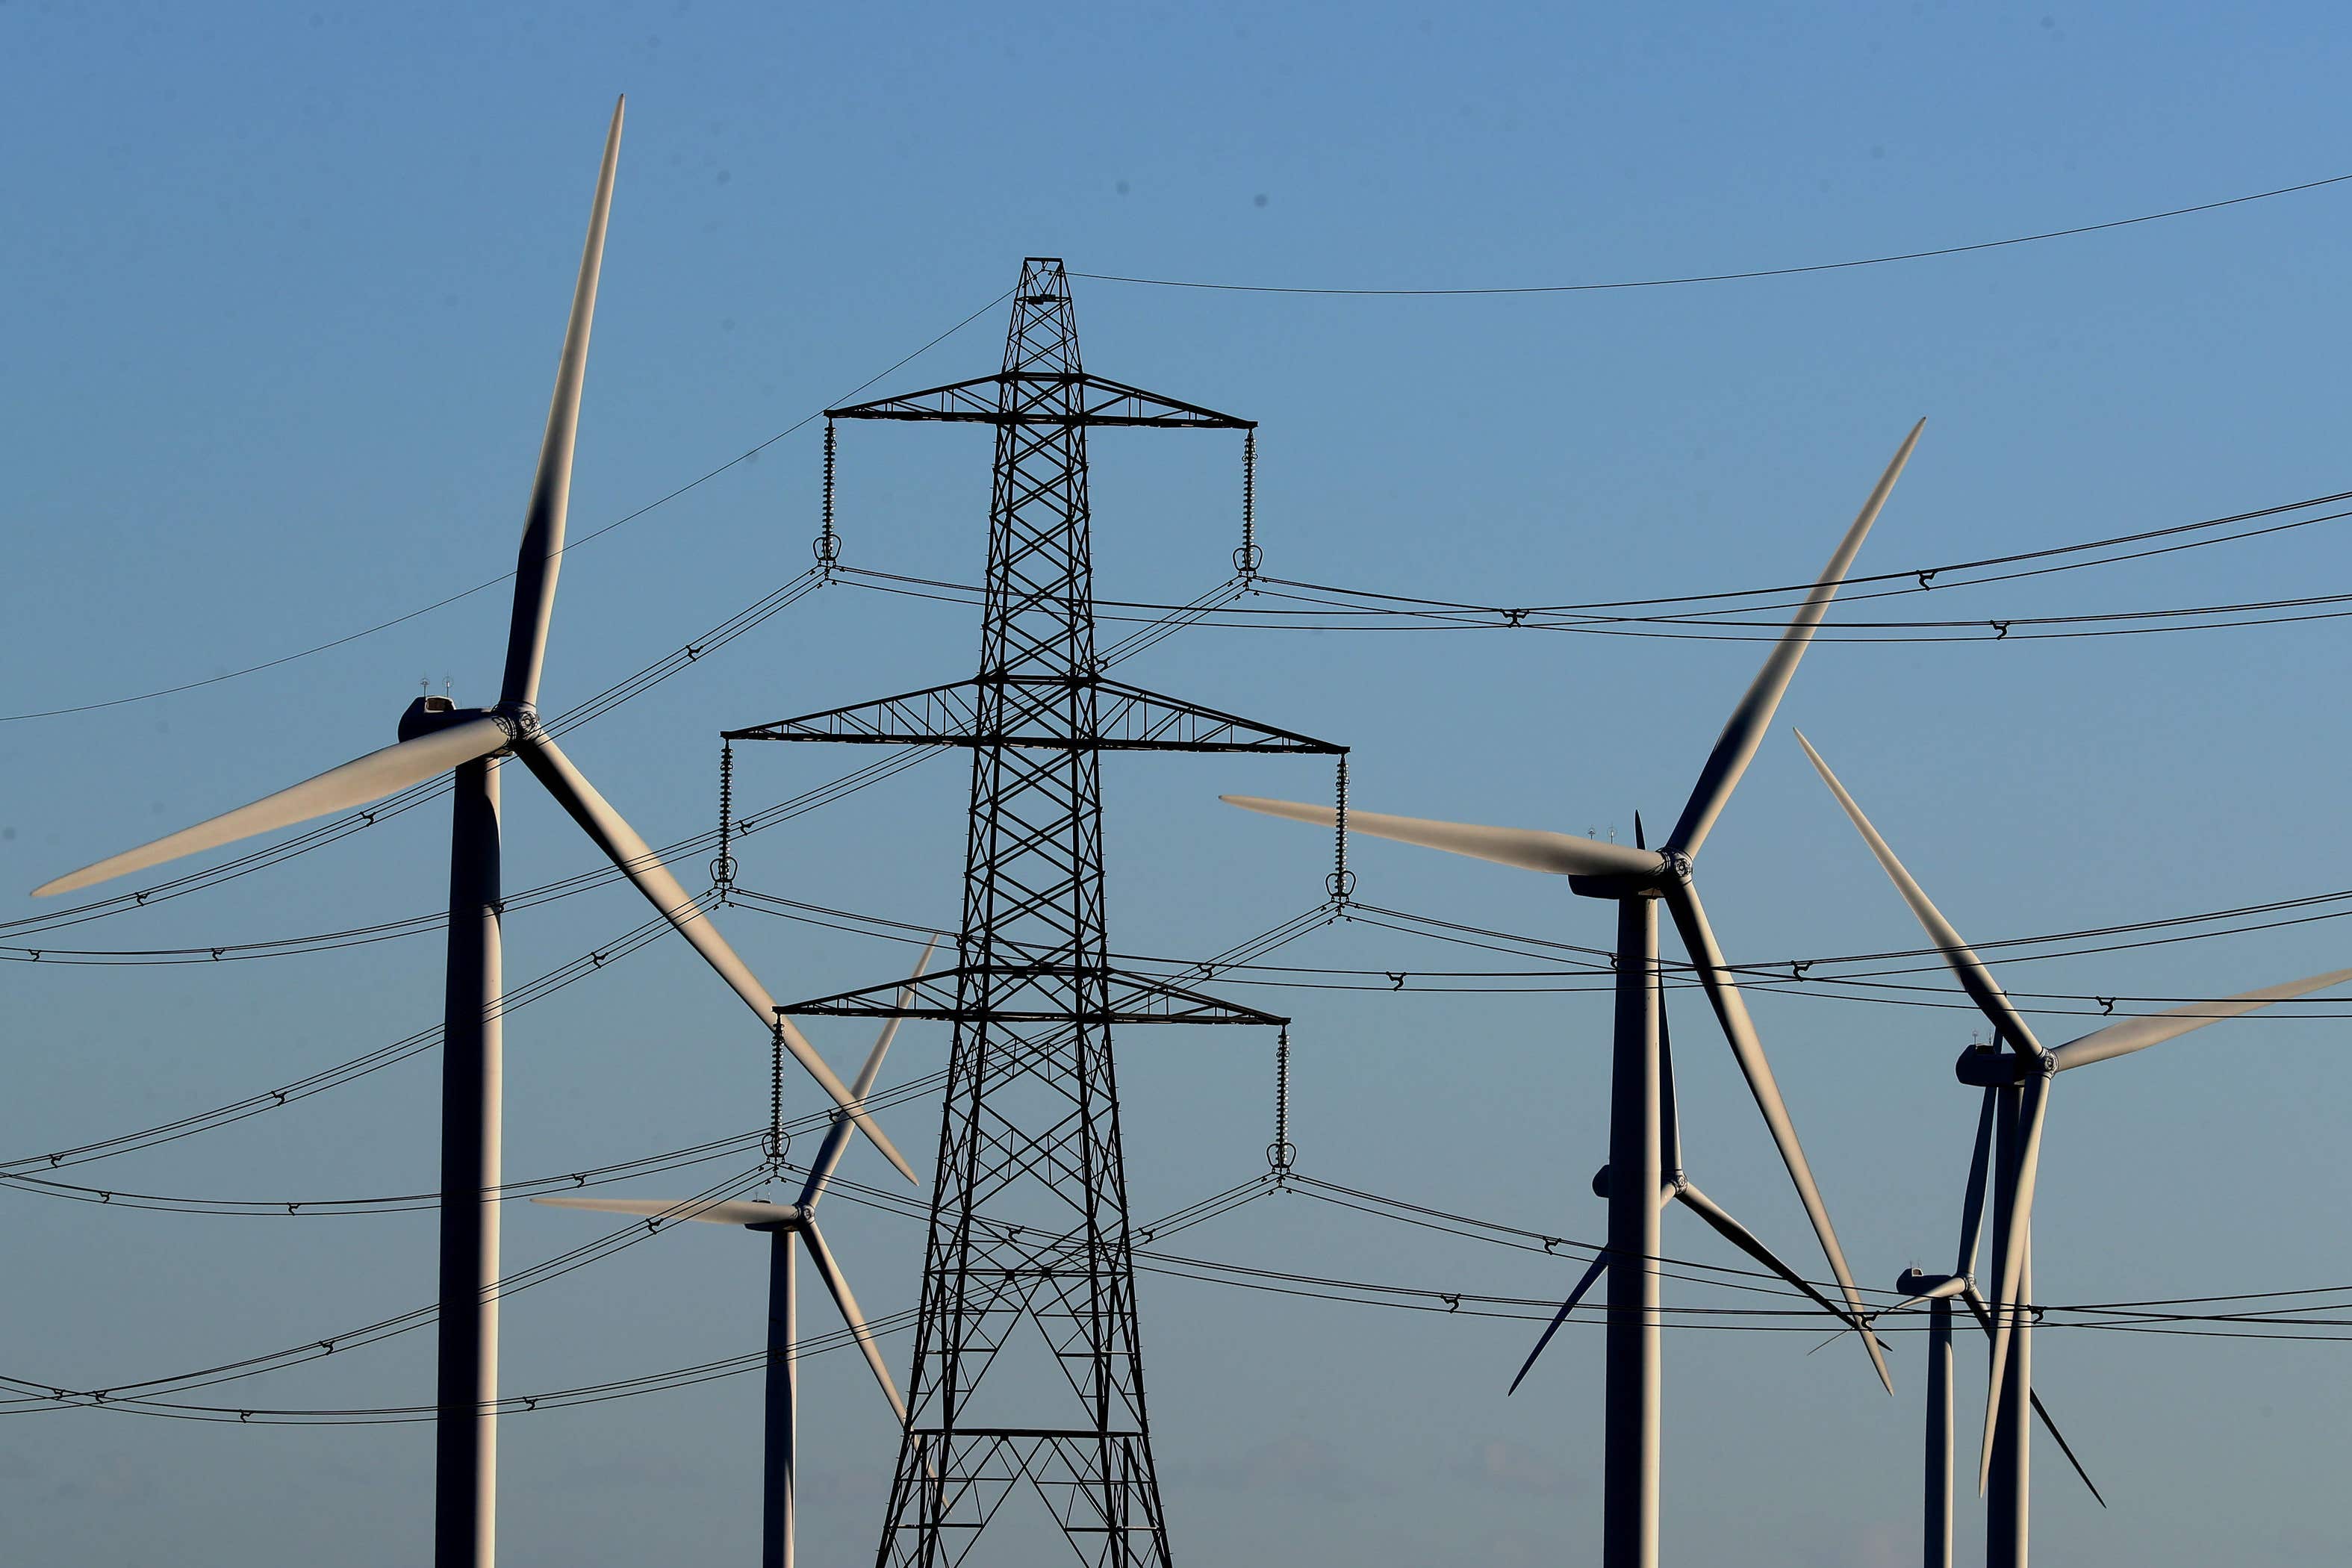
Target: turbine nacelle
<point x="1673" y="870"/>
<point x="1982" y="1066"/>
<point x="1922" y="1286"/>
<point x="430" y="715"/>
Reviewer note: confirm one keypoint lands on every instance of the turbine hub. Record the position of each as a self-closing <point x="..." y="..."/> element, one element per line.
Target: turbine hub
<point x="520" y="718"/>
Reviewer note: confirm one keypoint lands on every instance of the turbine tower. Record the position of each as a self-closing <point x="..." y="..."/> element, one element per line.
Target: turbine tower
<point x="1029" y="1248"/>
<point x="1637" y="879"/>
<point x="436" y="737"/>
<point x="2017" y="1082"/>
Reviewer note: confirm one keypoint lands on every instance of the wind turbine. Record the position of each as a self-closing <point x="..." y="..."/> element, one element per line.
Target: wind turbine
<point x="2020" y="1076"/>
<point x="786" y="1225"/>
<point x="1676" y="1186"/>
<point x="1939" y="1291"/>
<point x="1637" y="879"/>
<point x="436" y="737"/>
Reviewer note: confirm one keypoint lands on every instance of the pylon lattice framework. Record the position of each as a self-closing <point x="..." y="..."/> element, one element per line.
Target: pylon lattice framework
<point x="1029" y="1216"/>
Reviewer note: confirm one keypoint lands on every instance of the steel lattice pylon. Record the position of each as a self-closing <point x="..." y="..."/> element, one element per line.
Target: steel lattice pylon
<point x="1029" y="1246"/>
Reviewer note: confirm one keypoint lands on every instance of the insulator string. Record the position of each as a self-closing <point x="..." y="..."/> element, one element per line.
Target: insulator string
<point x="828" y="542"/>
<point x="1248" y="557"/>
<point x="1342" y="881"/>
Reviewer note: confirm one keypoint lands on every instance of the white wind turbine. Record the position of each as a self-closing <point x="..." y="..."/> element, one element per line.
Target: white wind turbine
<point x="436" y="737"/>
<point x="2021" y="1078"/>
<point x="1939" y="1291"/>
<point x="787" y="1224"/>
<point x="1677" y="1187"/>
<point x="1637" y="880"/>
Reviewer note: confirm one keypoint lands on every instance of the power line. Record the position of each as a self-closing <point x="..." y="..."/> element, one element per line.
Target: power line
<point x="1733" y="277"/>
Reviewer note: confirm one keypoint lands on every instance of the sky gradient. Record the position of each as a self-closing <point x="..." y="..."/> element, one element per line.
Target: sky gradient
<point x="285" y="290"/>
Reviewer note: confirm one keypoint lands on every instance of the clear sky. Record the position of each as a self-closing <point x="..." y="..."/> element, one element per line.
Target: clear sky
<point x="284" y="288"/>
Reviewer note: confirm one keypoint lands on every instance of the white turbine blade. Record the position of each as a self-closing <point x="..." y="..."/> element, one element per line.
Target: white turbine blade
<point x="837" y="1136"/>
<point x="356" y="782"/>
<point x="1984" y="1322"/>
<point x="551" y="488"/>
<point x="2007" y="1288"/>
<point x="1972" y="1207"/>
<point x="1740" y="1236"/>
<point x="1736" y="747"/>
<point x="725" y="1211"/>
<point x="837" y="1283"/>
<point x="1974" y="977"/>
<point x="637" y="859"/>
<point x="1670" y="1117"/>
<point x="1528" y="848"/>
<point x="873" y="1068"/>
<point x="1731" y="1011"/>
<point x="2138" y="1034"/>
<point x="1600" y="1263"/>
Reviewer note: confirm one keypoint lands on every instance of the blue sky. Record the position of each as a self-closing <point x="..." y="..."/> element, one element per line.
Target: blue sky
<point x="284" y="290"/>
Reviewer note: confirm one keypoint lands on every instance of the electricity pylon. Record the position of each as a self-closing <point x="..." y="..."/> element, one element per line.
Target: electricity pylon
<point x="1029" y="1248"/>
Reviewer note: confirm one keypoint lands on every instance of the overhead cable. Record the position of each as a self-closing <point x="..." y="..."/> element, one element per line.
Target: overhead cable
<point x="1671" y="283"/>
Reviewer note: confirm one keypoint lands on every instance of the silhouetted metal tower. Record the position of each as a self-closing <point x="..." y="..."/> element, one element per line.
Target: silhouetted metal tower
<point x="1029" y="1246"/>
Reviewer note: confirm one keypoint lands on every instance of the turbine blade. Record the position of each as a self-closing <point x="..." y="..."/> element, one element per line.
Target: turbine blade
<point x="2033" y="1113"/>
<point x="838" y="1284"/>
<point x="1528" y="848"/>
<point x="725" y="1211"/>
<point x="1984" y="1320"/>
<point x="873" y="1068"/>
<point x="550" y="488"/>
<point x="1974" y="977"/>
<point x="1740" y="1236"/>
<point x="1972" y="1207"/>
<point x="1731" y="1011"/>
<point x="837" y="1136"/>
<point x="1600" y="1262"/>
<point x="2138" y="1034"/>
<point x="1736" y="747"/>
<point x="356" y="782"/>
<point x="637" y="861"/>
<point x="1669" y="1113"/>
<point x="2066" y="1449"/>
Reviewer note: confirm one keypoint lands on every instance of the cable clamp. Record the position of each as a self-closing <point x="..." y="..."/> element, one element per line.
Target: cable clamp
<point x="2000" y="629"/>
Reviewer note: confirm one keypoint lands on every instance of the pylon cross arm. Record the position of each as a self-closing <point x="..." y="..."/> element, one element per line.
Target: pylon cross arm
<point x="1044" y="397"/>
<point x="956" y="993"/>
<point x="1127" y="718"/>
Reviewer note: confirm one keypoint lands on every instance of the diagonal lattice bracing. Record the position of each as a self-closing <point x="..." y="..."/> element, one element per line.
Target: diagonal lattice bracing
<point x="1028" y="1259"/>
